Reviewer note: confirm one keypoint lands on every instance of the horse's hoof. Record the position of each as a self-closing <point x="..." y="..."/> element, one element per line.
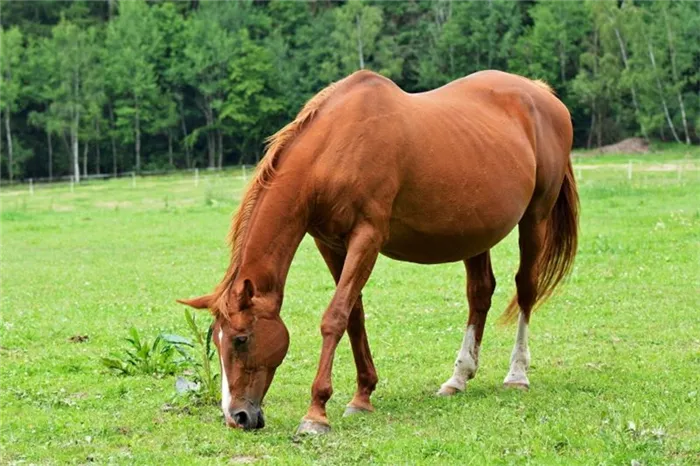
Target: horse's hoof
<point x="519" y="383"/>
<point x="312" y="428"/>
<point x="350" y="410"/>
<point x="447" y="390"/>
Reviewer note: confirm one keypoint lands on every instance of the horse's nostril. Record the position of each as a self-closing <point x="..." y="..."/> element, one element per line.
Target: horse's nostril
<point x="241" y="418"/>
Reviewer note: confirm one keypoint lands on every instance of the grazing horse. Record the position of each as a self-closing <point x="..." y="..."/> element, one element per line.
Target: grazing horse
<point x="434" y="177"/>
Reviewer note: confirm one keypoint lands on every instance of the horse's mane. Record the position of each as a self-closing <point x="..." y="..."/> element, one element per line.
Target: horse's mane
<point x="264" y="174"/>
<point x="544" y="85"/>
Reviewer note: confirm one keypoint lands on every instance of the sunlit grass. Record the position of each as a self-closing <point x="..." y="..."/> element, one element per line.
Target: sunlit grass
<point x="615" y="354"/>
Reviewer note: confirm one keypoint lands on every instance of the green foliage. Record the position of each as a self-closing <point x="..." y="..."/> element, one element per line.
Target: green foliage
<point x="169" y="354"/>
<point x="197" y="355"/>
<point x="188" y="84"/>
<point x="145" y="357"/>
<point x="11" y="55"/>
<point x="204" y="378"/>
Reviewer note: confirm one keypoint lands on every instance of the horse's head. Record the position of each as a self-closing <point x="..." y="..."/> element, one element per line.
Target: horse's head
<point x="252" y="342"/>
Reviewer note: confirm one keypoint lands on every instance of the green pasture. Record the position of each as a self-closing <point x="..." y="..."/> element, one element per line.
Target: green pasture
<point x="615" y="374"/>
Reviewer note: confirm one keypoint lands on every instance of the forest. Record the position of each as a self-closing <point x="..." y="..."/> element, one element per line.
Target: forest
<point x="100" y="88"/>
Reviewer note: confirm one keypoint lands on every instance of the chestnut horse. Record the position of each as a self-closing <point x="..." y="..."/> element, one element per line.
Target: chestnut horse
<point x="435" y="177"/>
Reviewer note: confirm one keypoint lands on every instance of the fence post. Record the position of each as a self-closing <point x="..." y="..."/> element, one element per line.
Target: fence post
<point x="196" y="177"/>
<point x="245" y="177"/>
<point x="31" y="186"/>
<point x="133" y="179"/>
<point x="72" y="181"/>
<point x="629" y="170"/>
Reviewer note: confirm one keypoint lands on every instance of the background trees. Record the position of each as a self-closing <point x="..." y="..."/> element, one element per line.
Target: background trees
<point x="94" y="87"/>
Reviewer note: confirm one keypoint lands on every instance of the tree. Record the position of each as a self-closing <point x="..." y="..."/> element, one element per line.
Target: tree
<point x="132" y="44"/>
<point x="468" y="36"/>
<point x="11" y="57"/>
<point x="208" y="50"/>
<point x="69" y="54"/>
<point x="550" y="49"/>
<point x="359" y="43"/>
<point x="253" y="98"/>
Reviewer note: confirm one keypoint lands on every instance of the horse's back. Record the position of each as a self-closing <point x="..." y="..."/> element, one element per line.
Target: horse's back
<point x="448" y="172"/>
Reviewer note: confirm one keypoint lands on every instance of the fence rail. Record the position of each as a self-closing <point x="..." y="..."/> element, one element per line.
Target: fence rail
<point x="46" y="182"/>
<point x="629" y="170"/>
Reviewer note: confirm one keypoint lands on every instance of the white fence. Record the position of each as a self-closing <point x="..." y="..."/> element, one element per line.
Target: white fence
<point x="628" y="170"/>
<point x="38" y="183"/>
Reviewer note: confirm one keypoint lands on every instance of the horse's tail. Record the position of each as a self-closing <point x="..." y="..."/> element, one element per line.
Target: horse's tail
<point x="559" y="248"/>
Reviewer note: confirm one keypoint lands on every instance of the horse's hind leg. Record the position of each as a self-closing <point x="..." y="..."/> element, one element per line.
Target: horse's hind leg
<point x="481" y="284"/>
<point x="531" y="241"/>
<point x="366" y="373"/>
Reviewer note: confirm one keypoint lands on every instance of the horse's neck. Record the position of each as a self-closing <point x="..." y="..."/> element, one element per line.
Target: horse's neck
<point x="276" y="227"/>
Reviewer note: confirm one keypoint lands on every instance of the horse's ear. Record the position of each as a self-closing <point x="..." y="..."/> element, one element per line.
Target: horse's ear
<point x="203" y="302"/>
<point x="245" y="295"/>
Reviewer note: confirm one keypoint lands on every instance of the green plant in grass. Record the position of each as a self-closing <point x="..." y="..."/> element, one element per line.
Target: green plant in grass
<point x="169" y="354"/>
<point x="157" y="358"/>
<point x="198" y="355"/>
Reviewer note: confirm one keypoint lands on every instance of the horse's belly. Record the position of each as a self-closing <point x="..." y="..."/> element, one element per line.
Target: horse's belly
<point x="427" y="227"/>
<point x="449" y="245"/>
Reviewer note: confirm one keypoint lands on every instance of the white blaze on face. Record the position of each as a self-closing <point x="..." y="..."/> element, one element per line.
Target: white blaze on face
<point x="520" y="358"/>
<point x="225" y="394"/>
<point x="467" y="362"/>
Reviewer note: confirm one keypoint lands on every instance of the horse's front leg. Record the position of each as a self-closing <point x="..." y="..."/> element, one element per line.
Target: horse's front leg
<point x="366" y="373"/>
<point x="362" y="251"/>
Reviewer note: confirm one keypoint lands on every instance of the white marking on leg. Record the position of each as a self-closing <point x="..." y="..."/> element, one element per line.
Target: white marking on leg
<point x="225" y="393"/>
<point x="466" y="364"/>
<point x="520" y="357"/>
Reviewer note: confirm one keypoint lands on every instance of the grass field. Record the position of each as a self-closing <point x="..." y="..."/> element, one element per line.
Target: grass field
<point x="615" y="371"/>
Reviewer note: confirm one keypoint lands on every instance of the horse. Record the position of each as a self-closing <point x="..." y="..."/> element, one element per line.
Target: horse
<point x="433" y="177"/>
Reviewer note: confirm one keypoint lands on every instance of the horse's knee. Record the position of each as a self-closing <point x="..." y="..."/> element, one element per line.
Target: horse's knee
<point x="333" y="327"/>
<point x="321" y="391"/>
<point x="368" y="380"/>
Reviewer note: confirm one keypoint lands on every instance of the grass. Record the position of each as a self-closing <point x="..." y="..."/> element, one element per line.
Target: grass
<point x="615" y="371"/>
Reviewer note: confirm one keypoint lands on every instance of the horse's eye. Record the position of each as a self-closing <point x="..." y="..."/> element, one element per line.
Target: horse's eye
<point x="240" y="340"/>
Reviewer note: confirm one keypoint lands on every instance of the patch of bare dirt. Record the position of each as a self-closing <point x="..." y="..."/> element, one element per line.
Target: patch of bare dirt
<point x="79" y="338"/>
<point x="626" y="146"/>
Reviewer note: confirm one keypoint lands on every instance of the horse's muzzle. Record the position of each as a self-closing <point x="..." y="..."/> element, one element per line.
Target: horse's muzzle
<point x="248" y="418"/>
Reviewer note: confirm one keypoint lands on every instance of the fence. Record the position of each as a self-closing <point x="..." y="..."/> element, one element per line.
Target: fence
<point x="37" y="183"/>
<point x="628" y="171"/>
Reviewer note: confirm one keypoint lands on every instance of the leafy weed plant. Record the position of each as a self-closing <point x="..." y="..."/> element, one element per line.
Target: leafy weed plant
<point x="144" y="357"/>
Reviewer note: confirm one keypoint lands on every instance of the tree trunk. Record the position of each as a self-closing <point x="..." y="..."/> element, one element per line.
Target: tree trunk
<point x="85" y="154"/>
<point x="110" y="10"/>
<point x="170" y="149"/>
<point x="188" y="159"/>
<point x="661" y="94"/>
<point x="623" y="52"/>
<point x="591" y="129"/>
<point x="10" y="152"/>
<point x="76" y="150"/>
<point x="211" y="150"/>
<point x="359" y="42"/>
<point x="220" y="148"/>
<point x="137" y="134"/>
<point x="674" y="71"/>
<point x="50" y="145"/>
<point x="97" y="146"/>
<point x="114" y="142"/>
<point x="210" y="137"/>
